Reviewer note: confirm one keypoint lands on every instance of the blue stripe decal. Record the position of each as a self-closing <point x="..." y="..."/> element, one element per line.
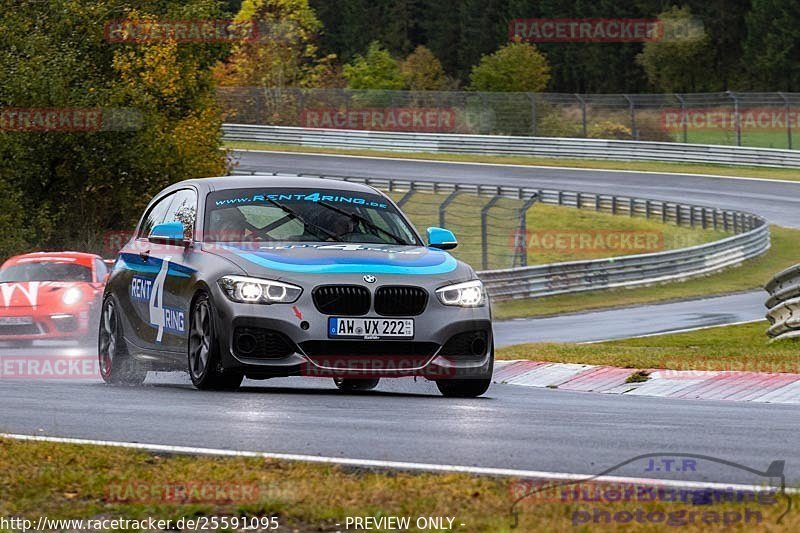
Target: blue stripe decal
<point x="447" y="264"/>
<point x="152" y="265"/>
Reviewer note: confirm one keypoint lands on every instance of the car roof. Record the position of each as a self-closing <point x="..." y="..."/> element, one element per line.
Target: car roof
<point x="222" y="183"/>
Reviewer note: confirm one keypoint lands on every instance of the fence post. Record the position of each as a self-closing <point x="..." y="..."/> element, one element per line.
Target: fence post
<point x="407" y="196"/>
<point x="532" y="98"/>
<point x="583" y="112"/>
<point x="736" y="117"/>
<point x="683" y="117"/>
<point x="485" y="231"/>
<point x="443" y="206"/>
<point x="634" y="132"/>
<point x="788" y="122"/>
<point x="523" y="229"/>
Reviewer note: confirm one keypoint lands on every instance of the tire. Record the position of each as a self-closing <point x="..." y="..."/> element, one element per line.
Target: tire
<point x="205" y="364"/>
<point x="351" y="385"/>
<point x="117" y="367"/>
<point x="468" y="387"/>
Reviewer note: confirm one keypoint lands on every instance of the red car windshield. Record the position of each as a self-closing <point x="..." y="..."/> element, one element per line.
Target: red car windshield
<point x="45" y="271"/>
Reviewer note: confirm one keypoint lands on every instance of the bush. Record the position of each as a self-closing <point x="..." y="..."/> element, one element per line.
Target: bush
<point x="609" y="130"/>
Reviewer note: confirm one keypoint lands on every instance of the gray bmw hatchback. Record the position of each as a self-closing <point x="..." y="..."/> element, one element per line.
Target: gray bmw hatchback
<point x="273" y="276"/>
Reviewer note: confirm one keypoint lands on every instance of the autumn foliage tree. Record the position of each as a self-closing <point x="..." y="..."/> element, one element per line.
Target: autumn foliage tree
<point x="68" y="187"/>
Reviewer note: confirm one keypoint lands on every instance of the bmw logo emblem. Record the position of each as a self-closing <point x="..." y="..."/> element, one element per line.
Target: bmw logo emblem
<point x="369" y="278"/>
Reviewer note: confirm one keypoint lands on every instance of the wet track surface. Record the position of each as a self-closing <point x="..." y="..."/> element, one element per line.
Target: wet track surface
<point x="512" y="427"/>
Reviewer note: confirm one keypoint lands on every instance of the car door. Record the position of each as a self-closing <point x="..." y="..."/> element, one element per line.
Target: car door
<point x="134" y="275"/>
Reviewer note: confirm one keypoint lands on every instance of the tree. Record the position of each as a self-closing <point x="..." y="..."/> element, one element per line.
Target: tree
<point x="772" y="47"/>
<point x="283" y="54"/>
<point x="159" y="122"/>
<point x="516" y="67"/>
<point x="423" y="71"/>
<point x="377" y="69"/>
<point x="679" y="62"/>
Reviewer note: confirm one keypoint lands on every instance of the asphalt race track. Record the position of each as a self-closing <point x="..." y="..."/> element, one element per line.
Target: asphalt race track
<point x="511" y="427"/>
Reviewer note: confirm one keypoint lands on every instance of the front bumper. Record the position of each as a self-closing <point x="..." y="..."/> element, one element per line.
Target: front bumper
<point x="448" y="343"/>
<point x="56" y="325"/>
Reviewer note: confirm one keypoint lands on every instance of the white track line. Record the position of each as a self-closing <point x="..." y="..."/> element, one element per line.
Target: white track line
<point x="674" y="331"/>
<point x="475" y="163"/>
<point x="397" y="465"/>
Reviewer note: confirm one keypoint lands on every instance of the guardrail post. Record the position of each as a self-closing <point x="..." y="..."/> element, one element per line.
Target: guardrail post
<point x="737" y="118"/>
<point x="443" y="206"/>
<point x="664" y="212"/>
<point x="788" y="121"/>
<point x="578" y="202"/>
<point x="583" y="112"/>
<point x="631" y="207"/>
<point x="647" y="209"/>
<point x="485" y="231"/>
<point x="597" y="202"/>
<point x="613" y="205"/>
<point x="523" y="230"/>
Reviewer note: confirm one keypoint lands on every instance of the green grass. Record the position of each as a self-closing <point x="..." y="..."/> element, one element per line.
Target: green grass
<point x="62" y="481"/>
<point x="567" y="224"/>
<point x="743" y="347"/>
<point x="760" y="139"/>
<point x="748" y="276"/>
<point x="685" y="168"/>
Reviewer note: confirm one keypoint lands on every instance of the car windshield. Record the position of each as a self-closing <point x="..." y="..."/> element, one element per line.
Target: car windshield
<point x="45" y="271"/>
<point x="300" y="215"/>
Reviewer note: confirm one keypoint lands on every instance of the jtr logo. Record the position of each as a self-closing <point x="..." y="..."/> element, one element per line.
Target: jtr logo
<point x="29" y="290"/>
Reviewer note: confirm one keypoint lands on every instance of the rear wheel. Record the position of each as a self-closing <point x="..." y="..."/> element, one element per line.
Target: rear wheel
<point x="356" y="384"/>
<point x="116" y="364"/>
<point x="205" y="366"/>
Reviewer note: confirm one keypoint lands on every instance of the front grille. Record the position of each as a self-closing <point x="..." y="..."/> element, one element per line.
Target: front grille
<point x="369" y="348"/>
<point x="261" y="343"/>
<point x="347" y="300"/>
<point x="467" y="344"/>
<point x="26" y="329"/>
<point x="400" y="301"/>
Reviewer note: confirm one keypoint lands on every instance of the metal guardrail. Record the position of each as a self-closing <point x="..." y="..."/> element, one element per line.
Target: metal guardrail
<point x="521" y="146"/>
<point x="784" y="304"/>
<point x="751" y="238"/>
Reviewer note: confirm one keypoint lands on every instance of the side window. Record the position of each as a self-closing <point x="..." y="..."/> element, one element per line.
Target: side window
<point x="183" y="209"/>
<point x="155" y="216"/>
<point x="101" y="270"/>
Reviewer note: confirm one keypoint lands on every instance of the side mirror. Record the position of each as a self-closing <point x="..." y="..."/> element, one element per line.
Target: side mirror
<point x="441" y="238"/>
<point x="169" y="233"/>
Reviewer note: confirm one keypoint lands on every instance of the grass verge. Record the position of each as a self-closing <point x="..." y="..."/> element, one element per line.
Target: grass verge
<point x="750" y="276"/>
<point x="64" y="481"/>
<point x="555" y="231"/>
<point x="683" y="168"/>
<point x="741" y="347"/>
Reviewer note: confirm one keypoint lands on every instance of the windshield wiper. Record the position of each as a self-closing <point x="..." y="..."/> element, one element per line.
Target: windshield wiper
<point x="292" y="213"/>
<point x="367" y="222"/>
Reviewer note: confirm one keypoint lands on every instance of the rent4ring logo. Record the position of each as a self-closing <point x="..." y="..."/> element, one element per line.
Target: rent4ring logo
<point x="152" y="291"/>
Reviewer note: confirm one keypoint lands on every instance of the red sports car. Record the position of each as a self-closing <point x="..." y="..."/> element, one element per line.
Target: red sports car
<point x="50" y="296"/>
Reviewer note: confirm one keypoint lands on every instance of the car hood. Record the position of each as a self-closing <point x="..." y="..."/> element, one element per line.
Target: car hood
<point x="45" y="294"/>
<point x="293" y="260"/>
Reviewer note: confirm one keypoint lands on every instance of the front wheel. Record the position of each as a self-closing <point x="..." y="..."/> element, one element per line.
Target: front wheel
<point x="116" y="364"/>
<point x="205" y="367"/>
<point x="350" y="385"/>
<point x="463" y="388"/>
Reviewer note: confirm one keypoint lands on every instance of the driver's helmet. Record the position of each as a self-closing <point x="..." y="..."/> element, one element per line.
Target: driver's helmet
<point x="228" y="225"/>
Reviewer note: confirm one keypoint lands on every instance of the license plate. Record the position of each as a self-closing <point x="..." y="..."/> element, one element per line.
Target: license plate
<point x="15" y="321"/>
<point x="371" y="328"/>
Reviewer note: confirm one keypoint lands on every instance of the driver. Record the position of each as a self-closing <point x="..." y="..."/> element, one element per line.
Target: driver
<point x="336" y="223"/>
<point x="230" y="225"/>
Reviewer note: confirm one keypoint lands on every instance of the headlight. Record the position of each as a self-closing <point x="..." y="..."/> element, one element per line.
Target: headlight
<point x="468" y="294"/>
<point x="72" y="296"/>
<point x="259" y="291"/>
